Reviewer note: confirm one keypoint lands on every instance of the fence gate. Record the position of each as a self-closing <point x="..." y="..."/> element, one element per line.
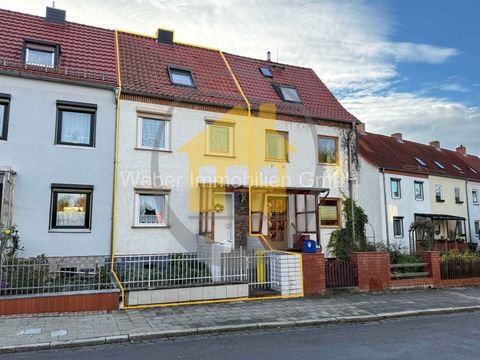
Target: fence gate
<point x="340" y="273"/>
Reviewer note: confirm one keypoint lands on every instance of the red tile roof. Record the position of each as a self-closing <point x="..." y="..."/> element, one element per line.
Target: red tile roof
<point x="144" y="65"/>
<point x="317" y="100"/>
<point x="389" y="153"/>
<point x="144" y="69"/>
<point x="87" y="54"/>
<point x="472" y="161"/>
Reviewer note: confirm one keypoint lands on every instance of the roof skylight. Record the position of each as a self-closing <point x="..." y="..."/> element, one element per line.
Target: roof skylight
<point x="473" y="170"/>
<point x="420" y="161"/>
<point x="181" y="77"/>
<point x="266" y="72"/>
<point x="440" y="165"/>
<point x="287" y="93"/>
<point x="457" y="167"/>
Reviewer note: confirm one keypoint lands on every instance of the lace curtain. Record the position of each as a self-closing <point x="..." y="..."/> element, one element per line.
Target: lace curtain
<point x="76" y="127"/>
<point x="153" y="133"/>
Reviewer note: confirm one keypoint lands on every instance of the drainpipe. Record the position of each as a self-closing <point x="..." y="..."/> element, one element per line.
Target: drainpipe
<point x="468" y="212"/>
<point x="382" y="170"/>
<point x="350" y="178"/>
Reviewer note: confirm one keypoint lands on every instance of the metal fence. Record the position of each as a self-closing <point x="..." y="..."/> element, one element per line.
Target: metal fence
<point x="194" y="269"/>
<point x="340" y="273"/>
<point x="459" y="268"/>
<point x="43" y="276"/>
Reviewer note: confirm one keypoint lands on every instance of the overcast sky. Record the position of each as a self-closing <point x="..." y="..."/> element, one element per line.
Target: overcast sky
<point x="399" y="65"/>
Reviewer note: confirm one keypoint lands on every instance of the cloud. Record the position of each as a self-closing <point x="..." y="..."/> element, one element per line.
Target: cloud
<point x="420" y="118"/>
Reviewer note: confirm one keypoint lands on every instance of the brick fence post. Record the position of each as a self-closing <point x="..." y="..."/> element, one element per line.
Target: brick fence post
<point x="314" y="281"/>
<point x="373" y="270"/>
<point x="432" y="258"/>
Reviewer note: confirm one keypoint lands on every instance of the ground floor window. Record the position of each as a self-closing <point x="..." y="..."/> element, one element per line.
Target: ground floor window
<point x="477" y="228"/>
<point x="151" y="208"/>
<point x="398" y="226"/>
<point x="71" y="206"/>
<point x="330" y="212"/>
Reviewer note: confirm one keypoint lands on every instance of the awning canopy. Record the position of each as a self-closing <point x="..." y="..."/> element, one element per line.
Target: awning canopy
<point x="441" y="217"/>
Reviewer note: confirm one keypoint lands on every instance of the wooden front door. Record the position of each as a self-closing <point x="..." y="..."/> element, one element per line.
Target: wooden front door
<point x="277" y="221"/>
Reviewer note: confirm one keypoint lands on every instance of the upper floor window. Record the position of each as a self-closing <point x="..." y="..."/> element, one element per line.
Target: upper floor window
<point x="475" y="199"/>
<point x="40" y="53"/>
<point x="458" y="198"/>
<point x="276" y="145"/>
<point x="395" y="186"/>
<point x="439" y="193"/>
<point x="76" y="124"/>
<point x="153" y="132"/>
<point x="287" y="93"/>
<point x="419" y="194"/>
<point x="220" y="138"/>
<point x="181" y="77"/>
<point x="327" y="150"/>
<point x="4" y="112"/>
<point x="71" y="207"/>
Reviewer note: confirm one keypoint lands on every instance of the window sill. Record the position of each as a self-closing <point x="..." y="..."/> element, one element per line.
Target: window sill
<point x="153" y="149"/>
<point x="459" y="202"/>
<point x="329" y="227"/>
<point x="220" y="155"/>
<point x="150" y="226"/>
<point x="329" y="164"/>
<point x="65" y="146"/>
<point x="70" y="231"/>
<point x="277" y="161"/>
<point x="440" y="201"/>
<point x="420" y="199"/>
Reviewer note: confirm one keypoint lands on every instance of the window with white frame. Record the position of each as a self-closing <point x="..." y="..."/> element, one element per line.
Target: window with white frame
<point x="458" y="197"/>
<point x="419" y="194"/>
<point x="395" y="186"/>
<point x="75" y="124"/>
<point x="475" y="199"/>
<point x="398" y="227"/>
<point x="153" y="132"/>
<point x="477" y="228"/>
<point x="151" y="208"/>
<point x="220" y="138"/>
<point x="439" y="193"/>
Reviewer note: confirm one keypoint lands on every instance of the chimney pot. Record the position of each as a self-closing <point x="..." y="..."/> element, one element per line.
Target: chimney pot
<point x="435" y="144"/>
<point x="269" y="56"/>
<point x="165" y="37"/>
<point x="462" y="150"/>
<point x="55" y="16"/>
<point x="397" y="136"/>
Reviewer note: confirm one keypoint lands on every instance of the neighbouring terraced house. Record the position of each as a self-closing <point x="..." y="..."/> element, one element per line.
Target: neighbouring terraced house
<point x="404" y="183"/>
<point x="57" y="131"/>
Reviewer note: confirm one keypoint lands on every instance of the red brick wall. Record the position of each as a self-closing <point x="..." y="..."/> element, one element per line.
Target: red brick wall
<point x="314" y="282"/>
<point x="373" y="270"/>
<point x="461" y="282"/>
<point x="59" y="303"/>
<point x="433" y="260"/>
<point x="405" y="283"/>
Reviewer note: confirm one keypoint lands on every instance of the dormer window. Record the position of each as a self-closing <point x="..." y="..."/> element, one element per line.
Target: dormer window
<point x="420" y="161"/>
<point x="40" y="54"/>
<point x="180" y="77"/>
<point x="440" y="165"/>
<point x="287" y="93"/>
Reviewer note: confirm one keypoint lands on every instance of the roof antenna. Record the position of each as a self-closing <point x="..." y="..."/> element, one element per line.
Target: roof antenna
<point x="277" y="53"/>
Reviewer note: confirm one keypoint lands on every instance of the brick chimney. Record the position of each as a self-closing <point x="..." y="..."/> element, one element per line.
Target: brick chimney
<point x="397" y="136"/>
<point x="55" y="16"/>
<point x="361" y="128"/>
<point x="462" y="150"/>
<point x="435" y="144"/>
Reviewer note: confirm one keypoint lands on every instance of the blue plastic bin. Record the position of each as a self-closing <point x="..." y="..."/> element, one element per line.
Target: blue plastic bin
<point x="310" y="246"/>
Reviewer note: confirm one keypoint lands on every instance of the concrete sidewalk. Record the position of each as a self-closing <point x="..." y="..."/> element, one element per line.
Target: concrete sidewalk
<point x="24" y="333"/>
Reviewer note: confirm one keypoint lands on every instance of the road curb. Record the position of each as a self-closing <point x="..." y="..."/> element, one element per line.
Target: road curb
<point x="232" y="328"/>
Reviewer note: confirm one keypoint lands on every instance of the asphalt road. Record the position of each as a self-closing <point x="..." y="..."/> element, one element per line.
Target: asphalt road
<point x="438" y="337"/>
